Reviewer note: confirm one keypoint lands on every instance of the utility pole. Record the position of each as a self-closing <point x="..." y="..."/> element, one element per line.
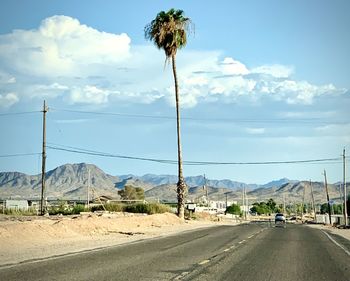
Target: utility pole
<point x="302" y="205"/>
<point x="345" y="192"/>
<point x="329" y="205"/>
<point x="246" y="203"/>
<point x="243" y="201"/>
<point x="284" y="204"/>
<point x="88" y="190"/>
<point x="206" y="191"/>
<point x="43" y="161"/>
<point x="313" y="200"/>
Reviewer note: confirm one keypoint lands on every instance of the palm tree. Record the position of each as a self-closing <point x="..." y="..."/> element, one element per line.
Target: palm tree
<point x="168" y="31"/>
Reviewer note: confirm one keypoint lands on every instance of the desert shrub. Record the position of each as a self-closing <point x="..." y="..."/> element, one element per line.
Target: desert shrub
<point x="61" y="208"/>
<point x="77" y="209"/>
<point x="64" y="209"/>
<point x="152" y="208"/>
<point x="234" y="209"/>
<point x="132" y="193"/>
<point x="112" y="207"/>
<point x="96" y="208"/>
<point x="20" y="212"/>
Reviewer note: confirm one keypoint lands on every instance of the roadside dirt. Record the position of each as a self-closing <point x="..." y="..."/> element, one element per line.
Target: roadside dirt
<point x="341" y="232"/>
<point x="30" y="238"/>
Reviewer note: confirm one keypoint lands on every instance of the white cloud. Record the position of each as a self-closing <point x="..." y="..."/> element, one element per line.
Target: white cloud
<point x="334" y="129"/>
<point x="308" y="114"/>
<point x="255" y="131"/>
<point x="61" y="46"/>
<point x="72" y="121"/>
<point x="89" y="95"/>
<point x="11" y="80"/>
<point x="64" y="59"/>
<point x="233" y="67"/>
<point x="275" y="70"/>
<point x="195" y="81"/>
<point x="8" y="100"/>
<point x="5" y="78"/>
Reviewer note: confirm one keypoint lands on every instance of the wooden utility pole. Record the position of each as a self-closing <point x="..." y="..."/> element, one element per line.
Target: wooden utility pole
<point x="43" y="162"/>
<point x="247" y="203"/>
<point x="206" y="191"/>
<point x="341" y="197"/>
<point x="88" y="191"/>
<point x="302" y="205"/>
<point x="329" y="205"/>
<point x="345" y="192"/>
<point x="313" y="200"/>
<point x="244" y="202"/>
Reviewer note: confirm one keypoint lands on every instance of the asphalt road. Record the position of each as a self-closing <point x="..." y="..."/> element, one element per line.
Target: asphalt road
<point x="245" y="252"/>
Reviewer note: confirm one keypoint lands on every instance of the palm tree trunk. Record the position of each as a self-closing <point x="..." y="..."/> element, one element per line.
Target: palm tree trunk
<point x="181" y="185"/>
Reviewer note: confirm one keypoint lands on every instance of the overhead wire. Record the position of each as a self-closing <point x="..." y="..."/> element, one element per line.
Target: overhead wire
<point x="19" y="154"/>
<point x="195" y="163"/>
<point x="238" y="120"/>
<point x="19" y="113"/>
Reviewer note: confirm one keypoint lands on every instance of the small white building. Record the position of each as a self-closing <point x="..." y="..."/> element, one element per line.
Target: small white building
<point x="213" y="207"/>
<point x="16" y="204"/>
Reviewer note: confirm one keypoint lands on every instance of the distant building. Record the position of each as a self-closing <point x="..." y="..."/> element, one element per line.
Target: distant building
<point x="16" y="204"/>
<point x="214" y="207"/>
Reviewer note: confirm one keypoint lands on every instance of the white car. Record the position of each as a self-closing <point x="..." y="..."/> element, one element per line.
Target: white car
<point x="280" y="218"/>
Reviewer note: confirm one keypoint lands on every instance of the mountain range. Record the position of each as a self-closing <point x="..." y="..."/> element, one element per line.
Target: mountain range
<point x="70" y="181"/>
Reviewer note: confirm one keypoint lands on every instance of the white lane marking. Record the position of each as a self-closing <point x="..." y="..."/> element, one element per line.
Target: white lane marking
<point x="240" y="242"/>
<point x="204" y="262"/>
<point x="336" y="243"/>
<point x="250" y="236"/>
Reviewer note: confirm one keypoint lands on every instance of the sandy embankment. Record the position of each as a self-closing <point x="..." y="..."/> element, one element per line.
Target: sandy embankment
<point x="37" y="238"/>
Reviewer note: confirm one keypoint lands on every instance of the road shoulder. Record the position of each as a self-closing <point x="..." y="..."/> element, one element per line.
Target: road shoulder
<point x="341" y="237"/>
<point x="35" y="239"/>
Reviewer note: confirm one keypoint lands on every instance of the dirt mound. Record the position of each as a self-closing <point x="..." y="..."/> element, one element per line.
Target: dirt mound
<point x="23" y="239"/>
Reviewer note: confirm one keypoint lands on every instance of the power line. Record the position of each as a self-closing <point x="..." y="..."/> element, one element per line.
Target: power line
<point x="112" y="155"/>
<point x="114" y="114"/>
<point x="19" y="154"/>
<point x="238" y="120"/>
<point x="194" y="163"/>
<point x="18" y="113"/>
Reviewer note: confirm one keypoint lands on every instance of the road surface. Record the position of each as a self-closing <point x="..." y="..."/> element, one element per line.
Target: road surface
<point x="258" y="251"/>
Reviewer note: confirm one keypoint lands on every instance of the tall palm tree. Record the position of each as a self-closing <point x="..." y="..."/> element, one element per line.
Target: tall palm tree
<point x="168" y="31"/>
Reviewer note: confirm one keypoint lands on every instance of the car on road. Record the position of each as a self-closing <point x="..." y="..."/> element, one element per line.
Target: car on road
<point x="280" y="218"/>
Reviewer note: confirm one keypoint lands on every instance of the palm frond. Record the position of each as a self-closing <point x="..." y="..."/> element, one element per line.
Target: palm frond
<point x="168" y="31"/>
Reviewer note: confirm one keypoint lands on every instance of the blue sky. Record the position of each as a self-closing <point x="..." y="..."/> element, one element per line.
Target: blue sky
<point x="259" y="81"/>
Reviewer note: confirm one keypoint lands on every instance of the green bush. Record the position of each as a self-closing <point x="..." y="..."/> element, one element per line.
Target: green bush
<point x="233" y="209"/>
<point x="14" y="212"/>
<point x="64" y="209"/>
<point x="152" y="208"/>
<point x="77" y="209"/>
<point x="112" y="207"/>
